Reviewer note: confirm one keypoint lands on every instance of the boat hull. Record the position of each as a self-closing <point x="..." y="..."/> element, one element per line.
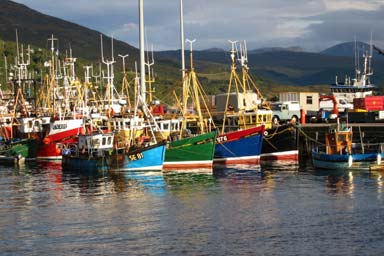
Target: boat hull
<point x="194" y="153"/>
<point x="83" y="163"/>
<point x="52" y="151"/>
<point x="280" y="146"/>
<point x="147" y="158"/>
<point x="62" y="132"/>
<point x="322" y="160"/>
<point x="239" y="147"/>
<point x="18" y="151"/>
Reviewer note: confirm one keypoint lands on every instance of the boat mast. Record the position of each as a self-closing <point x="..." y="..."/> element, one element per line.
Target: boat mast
<point x="142" y="56"/>
<point x="182" y="41"/>
<point x="53" y="76"/>
<point x="110" y="74"/>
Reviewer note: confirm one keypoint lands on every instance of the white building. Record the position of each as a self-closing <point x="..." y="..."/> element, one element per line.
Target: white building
<point x="309" y="101"/>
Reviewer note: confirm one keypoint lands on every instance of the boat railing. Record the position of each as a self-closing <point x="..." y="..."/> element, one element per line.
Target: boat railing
<point x="357" y="148"/>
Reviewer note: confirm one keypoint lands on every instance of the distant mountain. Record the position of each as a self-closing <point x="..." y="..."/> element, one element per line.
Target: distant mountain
<point x="348" y="49"/>
<point x="278" y="49"/>
<point x="214" y="49"/>
<point x="274" y="69"/>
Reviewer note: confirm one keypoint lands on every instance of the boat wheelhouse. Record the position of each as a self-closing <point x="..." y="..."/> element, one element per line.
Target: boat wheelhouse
<point x="89" y="153"/>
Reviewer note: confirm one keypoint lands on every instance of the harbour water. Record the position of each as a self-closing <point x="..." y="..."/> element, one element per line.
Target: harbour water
<point x="286" y="211"/>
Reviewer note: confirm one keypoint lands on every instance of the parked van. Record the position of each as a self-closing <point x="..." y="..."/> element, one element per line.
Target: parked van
<point x="285" y="111"/>
<point x="342" y="105"/>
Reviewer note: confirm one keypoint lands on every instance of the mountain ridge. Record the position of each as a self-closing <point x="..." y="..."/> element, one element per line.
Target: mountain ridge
<point x="290" y="68"/>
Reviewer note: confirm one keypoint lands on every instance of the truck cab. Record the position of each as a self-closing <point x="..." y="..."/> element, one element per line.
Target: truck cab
<point x="286" y="111"/>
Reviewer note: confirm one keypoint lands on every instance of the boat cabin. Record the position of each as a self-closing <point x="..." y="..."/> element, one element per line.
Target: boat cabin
<point x="250" y="119"/>
<point x="339" y="141"/>
<point x="103" y="141"/>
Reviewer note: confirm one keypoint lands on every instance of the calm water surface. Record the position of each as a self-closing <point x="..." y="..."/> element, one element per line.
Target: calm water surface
<point x="297" y="211"/>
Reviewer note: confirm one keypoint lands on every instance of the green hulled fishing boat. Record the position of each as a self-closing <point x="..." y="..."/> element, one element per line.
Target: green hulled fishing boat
<point x="16" y="150"/>
<point x="193" y="153"/>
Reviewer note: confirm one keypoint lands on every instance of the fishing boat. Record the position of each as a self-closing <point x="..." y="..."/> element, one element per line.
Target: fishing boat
<point x="17" y="142"/>
<point x="90" y="153"/>
<point x="194" y="153"/>
<point x="192" y="147"/>
<point x="340" y="152"/>
<point x="60" y="132"/>
<point x="242" y="130"/>
<point x="143" y="158"/>
<point x="136" y="145"/>
<point x="242" y="147"/>
<point x="280" y="146"/>
<point x="360" y="86"/>
<point x="17" y="150"/>
<point x="244" y="108"/>
<point x="16" y="145"/>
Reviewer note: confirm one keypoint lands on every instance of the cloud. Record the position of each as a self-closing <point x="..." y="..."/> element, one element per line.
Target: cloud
<point x="312" y="24"/>
<point x="344" y="25"/>
<point x="336" y="5"/>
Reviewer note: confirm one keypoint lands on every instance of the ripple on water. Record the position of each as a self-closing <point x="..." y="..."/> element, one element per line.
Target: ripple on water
<point x="234" y="211"/>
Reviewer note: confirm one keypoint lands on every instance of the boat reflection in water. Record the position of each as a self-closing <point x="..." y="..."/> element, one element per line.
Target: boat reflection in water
<point x="146" y="181"/>
<point x="340" y="183"/>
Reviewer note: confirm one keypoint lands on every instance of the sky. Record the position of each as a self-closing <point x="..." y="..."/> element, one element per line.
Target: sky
<point x="313" y="25"/>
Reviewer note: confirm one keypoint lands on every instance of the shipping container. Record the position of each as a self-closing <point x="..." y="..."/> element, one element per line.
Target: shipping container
<point x="369" y="103"/>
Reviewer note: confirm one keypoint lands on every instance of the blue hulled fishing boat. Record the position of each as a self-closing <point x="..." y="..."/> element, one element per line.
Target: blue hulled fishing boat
<point x="90" y="153"/>
<point x="340" y="152"/>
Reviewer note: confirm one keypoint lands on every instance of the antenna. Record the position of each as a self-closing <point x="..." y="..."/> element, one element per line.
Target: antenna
<point x="233" y="50"/>
<point x="245" y="51"/>
<point x="21" y="64"/>
<point x="150" y="73"/>
<point x="191" y="51"/>
<point x="110" y="75"/>
<point x="190" y="43"/>
<point x="123" y="58"/>
<point x="243" y="55"/>
<point x="149" y="64"/>
<point x="87" y="75"/>
<point x="52" y="39"/>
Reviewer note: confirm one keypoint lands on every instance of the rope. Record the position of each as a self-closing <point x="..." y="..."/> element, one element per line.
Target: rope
<point x="226" y="148"/>
<point x="307" y="136"/>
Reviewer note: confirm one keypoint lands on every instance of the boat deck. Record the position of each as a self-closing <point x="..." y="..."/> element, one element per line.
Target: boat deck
<point x="313" y="134"/>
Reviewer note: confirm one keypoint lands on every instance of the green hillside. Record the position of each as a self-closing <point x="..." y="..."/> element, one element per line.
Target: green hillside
<point x="274" y="70"/>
